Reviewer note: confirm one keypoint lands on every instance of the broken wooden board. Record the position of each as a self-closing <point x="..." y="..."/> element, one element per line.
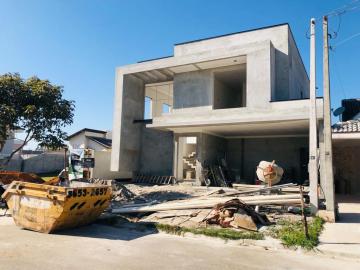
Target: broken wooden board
<point x="243" y="221"/>
<point x="192" y="218"/>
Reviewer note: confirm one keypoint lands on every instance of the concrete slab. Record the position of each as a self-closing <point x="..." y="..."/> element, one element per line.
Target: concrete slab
<point x="343" y="237"/>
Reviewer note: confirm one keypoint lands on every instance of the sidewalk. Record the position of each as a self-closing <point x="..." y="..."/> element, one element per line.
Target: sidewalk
<point x="343" y="238"/>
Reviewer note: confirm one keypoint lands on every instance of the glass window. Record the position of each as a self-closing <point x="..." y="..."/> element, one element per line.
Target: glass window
<point x="148" y="108"/>
<point x="166" y="108"/>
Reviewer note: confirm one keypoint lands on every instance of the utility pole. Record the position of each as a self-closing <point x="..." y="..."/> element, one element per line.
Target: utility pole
<point x="313" y="153"/>
<point x="329" y="174"/>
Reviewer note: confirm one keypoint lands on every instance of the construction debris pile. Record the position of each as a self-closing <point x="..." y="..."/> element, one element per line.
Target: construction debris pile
<point x="236" y="214"/>
<point x="243" y="207"/>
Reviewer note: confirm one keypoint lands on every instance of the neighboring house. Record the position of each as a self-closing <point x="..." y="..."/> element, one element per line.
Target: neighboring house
<point x="346" y="153"/>
<point x="99" y="141"/>
<point x="242" y="97"/>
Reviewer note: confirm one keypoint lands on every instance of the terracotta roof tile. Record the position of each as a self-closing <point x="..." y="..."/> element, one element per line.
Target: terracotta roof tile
<point x="347" y="127"/>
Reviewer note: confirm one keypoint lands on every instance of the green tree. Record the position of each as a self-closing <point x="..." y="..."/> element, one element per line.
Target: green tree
<point x="37" y="107"/>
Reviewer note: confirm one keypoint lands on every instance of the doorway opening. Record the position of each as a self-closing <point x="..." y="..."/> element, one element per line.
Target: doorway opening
<point x="187" y="156"/>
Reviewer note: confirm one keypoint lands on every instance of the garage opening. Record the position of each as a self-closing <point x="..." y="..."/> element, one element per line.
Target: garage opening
<point x="230" y="88"/>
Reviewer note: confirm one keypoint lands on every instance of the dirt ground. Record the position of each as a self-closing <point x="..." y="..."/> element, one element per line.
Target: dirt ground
<point x="103" y="247"/>
<point x="139" y="193"/>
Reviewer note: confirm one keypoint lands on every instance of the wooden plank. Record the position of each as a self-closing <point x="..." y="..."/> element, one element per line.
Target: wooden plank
<point x="209" y="203"/>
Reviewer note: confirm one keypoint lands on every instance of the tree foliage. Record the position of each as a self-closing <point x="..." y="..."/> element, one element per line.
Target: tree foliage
<point x="37" y="107"/>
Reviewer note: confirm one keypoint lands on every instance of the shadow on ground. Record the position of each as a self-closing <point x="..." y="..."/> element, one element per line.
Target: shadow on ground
<point x="162" y="196"/>
<point x="349" y="218"/>
<point x="112" y="229"/>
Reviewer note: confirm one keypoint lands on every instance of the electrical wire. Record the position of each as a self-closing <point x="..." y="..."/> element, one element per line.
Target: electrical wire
<point x="346" y="8"/>
<point x="345" y="40"/>
<point x="338" y="77"/>
<point x="351" y="7"/>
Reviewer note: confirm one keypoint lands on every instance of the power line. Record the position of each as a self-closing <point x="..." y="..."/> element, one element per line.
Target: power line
<point x="344" y="9"/>
<point x="351" y="7"/>
<point x="345" y="40"/>
<point x="338" y="77"/>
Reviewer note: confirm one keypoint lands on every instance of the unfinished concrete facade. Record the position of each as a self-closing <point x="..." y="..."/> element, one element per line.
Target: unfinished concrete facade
<point x="241" y="97"/>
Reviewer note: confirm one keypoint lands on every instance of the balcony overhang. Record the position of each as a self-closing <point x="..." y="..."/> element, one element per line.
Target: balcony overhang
<point x="164" y="69"/>
<point x="290" y="118"/>
<point x="167" y="74"/>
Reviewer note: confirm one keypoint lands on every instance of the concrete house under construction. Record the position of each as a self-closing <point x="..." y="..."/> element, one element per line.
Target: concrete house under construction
<point x="241" y="97"/>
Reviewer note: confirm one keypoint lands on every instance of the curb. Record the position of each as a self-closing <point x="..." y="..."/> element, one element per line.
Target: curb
<point x="337" y="254"/>
<point x="275" y="244"/>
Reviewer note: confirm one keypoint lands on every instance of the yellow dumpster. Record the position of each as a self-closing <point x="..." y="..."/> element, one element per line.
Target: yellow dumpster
<point x="46" y="208"/>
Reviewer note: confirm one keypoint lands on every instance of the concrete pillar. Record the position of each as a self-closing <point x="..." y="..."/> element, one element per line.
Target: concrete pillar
<point x="329" y="186"/>
<point x="313" y="157"/>
<point x="322" y="160"/>
<point x="118" y="104"/>
<point x="175" y="157"/>
<point x="126" y="147"/>
<point x="179" y="158"/>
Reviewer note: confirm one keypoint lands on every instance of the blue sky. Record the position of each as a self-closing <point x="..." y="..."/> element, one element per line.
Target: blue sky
<point x="78" y="43"/>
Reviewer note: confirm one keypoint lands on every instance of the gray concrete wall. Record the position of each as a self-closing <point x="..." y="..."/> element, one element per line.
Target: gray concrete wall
<point x="346" y="172"/>
<point x="193" y="89"/>
<point x="157" y="149"/>
<point x="210" y="148"/>
<point x="43" y="163"/>
<point x="277" y="35"/>
<point x="286" y="152"/>
<point x="102" y="166"/>
<point x="14" y="164"/>
<point x="259" y="76"/>
<point x="298" y="78"/>
<point x="130" y="95"/>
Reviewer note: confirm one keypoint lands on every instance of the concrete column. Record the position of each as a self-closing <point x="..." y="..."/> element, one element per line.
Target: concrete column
<point x="322" y="159"/>
<point x="175" y="157"/>
<point x="180" y="164"/>
<point x="313" y="158"/>
<point x="118" y="104"/>
<point x="329" y="187"/>
<point x="129" y="105"/>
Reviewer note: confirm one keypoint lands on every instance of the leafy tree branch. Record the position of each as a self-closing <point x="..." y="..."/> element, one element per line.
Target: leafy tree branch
<point x="37" y="107"/>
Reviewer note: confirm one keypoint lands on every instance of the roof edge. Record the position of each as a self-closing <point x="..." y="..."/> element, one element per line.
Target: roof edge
<point x="84" y="130"/>
<point x="95" y="140"/>
<point x="234" y="33"/>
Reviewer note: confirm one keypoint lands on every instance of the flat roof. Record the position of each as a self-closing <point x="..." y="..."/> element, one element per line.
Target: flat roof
<point x="213" y="37"/>
<point x="234" y="33"/>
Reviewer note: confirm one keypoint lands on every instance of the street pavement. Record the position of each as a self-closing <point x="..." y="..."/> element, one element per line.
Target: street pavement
<point x="103" y="247"/>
